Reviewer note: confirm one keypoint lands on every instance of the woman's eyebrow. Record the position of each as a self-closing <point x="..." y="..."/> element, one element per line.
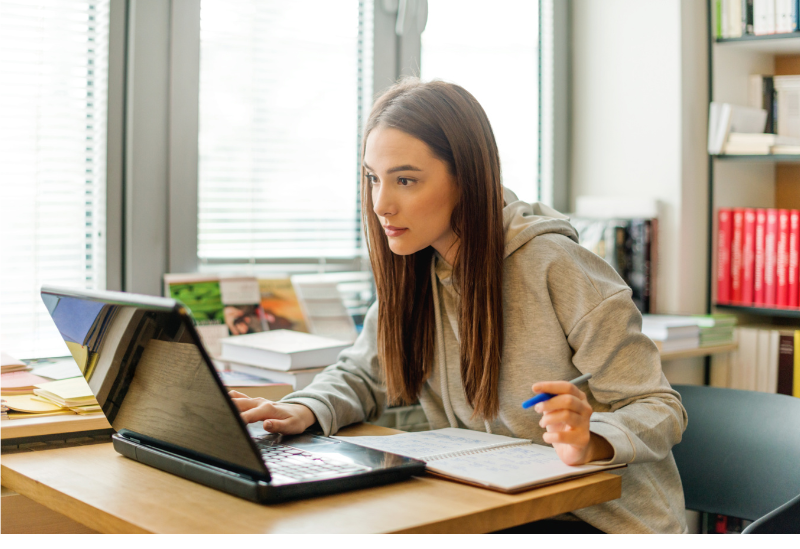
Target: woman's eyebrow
<point x="403" y="168"/>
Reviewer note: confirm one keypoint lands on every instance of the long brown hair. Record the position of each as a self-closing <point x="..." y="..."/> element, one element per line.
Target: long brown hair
<point x="452" y="123"/>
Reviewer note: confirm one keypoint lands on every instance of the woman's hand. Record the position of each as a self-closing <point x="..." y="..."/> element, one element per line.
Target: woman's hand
<point x="287" y="419"/>
<point x="566" y="419"/>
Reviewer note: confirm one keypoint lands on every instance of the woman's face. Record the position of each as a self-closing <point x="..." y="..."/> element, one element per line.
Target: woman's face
<point x="413" y="193"/>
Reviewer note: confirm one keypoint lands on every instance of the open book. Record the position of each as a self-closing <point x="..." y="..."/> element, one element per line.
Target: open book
<point x="497" y="462"/>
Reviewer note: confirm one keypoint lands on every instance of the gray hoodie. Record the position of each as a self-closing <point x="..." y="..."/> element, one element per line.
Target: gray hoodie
<point x="566" y="312"/>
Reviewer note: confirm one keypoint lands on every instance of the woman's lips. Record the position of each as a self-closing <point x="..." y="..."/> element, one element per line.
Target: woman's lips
<point x="393" y="231"/>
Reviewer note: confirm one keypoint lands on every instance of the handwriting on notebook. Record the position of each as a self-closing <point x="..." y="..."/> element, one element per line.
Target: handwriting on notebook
<point x="428" y="444"/>
<point x="502" y="460"/>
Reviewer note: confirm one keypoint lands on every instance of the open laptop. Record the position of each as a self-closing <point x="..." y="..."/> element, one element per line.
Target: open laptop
<point x="158" y="387"/>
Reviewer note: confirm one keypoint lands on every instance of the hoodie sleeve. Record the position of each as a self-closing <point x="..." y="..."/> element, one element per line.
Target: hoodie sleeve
<point x="352" y="390"/>
<point x="646" y="417"/>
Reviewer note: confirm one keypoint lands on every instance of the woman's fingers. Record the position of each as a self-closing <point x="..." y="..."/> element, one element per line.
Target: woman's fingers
<point x="558" y="388"/>
<point x="236" y="394"/>
<point x="244" y="404"/>
<point x="568" y="402"/>
<point x="560" y="419"/>
<point x="264" y="410"/>
<point x="571" y="437"/>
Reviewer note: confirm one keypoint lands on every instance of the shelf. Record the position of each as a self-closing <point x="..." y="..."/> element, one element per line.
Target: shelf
<point x="763" y="311"/>
<point x="769" y="43"/>
<point x="700" y="351"/>
<point x="758" y="157"/>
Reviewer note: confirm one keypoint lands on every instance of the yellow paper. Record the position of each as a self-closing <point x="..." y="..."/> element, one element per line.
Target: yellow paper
<point x="24" y="415"/>
<point x="26" y="403"/>
<point x="74" y="387"/>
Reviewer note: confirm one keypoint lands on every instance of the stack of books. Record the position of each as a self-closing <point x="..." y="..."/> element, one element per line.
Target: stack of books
<point x="282" y="356"/>
<point x="758" y="257"/>
<point x="671" y="333"/>
<point x="714" y="330"/>
<point x="761" y="143"/>
<point x="765" y="361"/>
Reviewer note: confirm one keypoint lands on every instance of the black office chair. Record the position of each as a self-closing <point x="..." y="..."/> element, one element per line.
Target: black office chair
<point x="740" y="456"/>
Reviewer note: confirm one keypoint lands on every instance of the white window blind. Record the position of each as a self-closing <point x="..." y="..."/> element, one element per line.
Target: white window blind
<point x="284" y="89"/>
<point x="491" y="49"/>
<point x="53" y="94"/>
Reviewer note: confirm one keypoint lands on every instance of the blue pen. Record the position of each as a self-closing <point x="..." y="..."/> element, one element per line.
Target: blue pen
<point x="541" y="397"/>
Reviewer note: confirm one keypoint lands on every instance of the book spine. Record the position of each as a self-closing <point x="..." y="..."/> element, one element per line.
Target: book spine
<point x="758" y="275"/>
<point x="736" y="255"/>
<point x="724" y="233"/>
<point x="794" y="258"/>
<point x="748" y="256"/>
<point x="770" y="105"/>
<point x="782" y="265"/>
<point x="785" y="365"/>
<point x="796" y="373"/>
<point x="770" y="24"/>
<point x="770" y="258"/>
<point x="759" y="17"/>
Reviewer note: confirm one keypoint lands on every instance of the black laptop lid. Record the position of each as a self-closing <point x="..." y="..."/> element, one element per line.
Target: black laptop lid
<point x="146" y="366"/>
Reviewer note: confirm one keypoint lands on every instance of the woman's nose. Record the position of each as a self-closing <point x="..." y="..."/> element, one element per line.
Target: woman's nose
<point x="382" y="203"/>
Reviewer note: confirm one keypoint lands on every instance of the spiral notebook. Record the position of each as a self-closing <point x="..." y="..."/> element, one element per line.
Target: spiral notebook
<point x="496" y="462"/>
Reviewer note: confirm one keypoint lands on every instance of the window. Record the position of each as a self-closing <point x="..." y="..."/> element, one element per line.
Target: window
<point x="491" y="49"/>
<point x="284" y="91"/>
<point x="53" y="95"/>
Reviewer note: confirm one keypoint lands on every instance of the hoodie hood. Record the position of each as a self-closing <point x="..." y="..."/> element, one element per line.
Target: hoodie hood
<point x="523" y="221"/>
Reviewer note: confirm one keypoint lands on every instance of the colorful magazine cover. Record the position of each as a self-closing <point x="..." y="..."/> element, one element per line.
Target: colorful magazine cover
<point x="281" y="305"/>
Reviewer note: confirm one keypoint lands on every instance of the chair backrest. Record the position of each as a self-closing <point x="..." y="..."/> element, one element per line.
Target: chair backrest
<point x="783" y="520"/>
<point x="740" y="454"/>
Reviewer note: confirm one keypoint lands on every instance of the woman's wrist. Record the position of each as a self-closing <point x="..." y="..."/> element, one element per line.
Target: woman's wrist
<point x="599" y="449"/>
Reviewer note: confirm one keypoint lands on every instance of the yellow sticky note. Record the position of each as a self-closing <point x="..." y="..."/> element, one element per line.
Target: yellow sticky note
<point x="26" y="403"/>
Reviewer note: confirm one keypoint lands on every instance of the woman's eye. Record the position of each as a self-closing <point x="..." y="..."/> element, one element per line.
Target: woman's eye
<point x="371" y="179"/>
<point x="404" y="181"/>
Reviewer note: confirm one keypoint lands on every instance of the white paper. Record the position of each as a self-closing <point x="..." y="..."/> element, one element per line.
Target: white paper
<point x="61" y="369"/>
<point x="426" y="445"/>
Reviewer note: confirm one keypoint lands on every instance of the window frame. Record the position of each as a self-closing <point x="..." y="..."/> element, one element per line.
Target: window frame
<point x="152" y="167"/>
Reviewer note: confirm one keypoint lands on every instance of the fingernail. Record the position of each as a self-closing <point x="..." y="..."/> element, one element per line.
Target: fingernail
<point x="538" y="408"/>
<point x="268" y="425"/>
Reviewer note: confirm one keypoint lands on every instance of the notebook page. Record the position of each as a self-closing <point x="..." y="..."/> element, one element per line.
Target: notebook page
<point x="429" y="445"/>
<point x="510" y="468"/>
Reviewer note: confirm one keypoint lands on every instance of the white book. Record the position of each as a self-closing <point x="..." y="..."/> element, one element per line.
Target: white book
<point x="298" y="379"/>
<point x="745" y="370"/>
<point x="496" y="462"/>
<point x="783" y="16"/>
<point x="760" y="16"/>
<point x="283" y="349"/>
<point x="770" y="27"/>
<point x="762" y="139"/>
<point x="664" y="327"/>
<point x="787" y="90"/>
<point x="774" y="357"/>
<point x="763" y="360"/>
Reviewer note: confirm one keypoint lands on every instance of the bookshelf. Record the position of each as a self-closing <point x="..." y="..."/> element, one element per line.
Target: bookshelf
<point x="756" y="181"/>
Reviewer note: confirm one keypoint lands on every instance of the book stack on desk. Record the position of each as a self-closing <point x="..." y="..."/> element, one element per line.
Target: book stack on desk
<point x="671" y="333"/>
<point x="284" y="356"/>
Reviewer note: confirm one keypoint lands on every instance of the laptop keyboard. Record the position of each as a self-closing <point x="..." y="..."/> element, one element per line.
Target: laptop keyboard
<point x="298" y="465"/>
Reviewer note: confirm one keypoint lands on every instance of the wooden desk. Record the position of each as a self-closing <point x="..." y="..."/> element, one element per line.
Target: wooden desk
<point x="97" y="487"/>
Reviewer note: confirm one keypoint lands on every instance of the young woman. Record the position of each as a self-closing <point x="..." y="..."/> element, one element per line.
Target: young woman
<point x="483" y="300"/>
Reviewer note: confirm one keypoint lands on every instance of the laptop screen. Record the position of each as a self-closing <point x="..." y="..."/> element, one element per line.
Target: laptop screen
<point x="144" y="366"/>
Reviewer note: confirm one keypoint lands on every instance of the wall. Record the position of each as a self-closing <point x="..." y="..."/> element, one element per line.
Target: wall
<point x="638" y="129"/>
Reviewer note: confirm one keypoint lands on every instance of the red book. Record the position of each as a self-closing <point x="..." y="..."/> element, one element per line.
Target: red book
<point x="724" y="233"/>
<point x="736" y="255"/>
<point x="782" y="266"/>
<point x="794" y="258"/>
<point x="758" y="278"/>
<point x="770" y="259"/>
<point x="749" y="256"/>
